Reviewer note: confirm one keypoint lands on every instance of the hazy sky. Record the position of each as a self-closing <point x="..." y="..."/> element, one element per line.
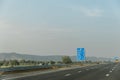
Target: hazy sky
<point x="58" y="27"/>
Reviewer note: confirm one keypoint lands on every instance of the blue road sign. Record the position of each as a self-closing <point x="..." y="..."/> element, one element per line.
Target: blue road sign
<point x="80" y="54"/>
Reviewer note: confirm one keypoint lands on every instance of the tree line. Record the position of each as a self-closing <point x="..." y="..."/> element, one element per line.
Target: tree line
<point x="12" y="63"/>
<point x="23" y="62"/>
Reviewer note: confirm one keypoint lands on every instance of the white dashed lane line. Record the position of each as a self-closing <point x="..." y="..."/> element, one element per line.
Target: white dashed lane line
<point x="107" y="75"/>
<point x="67" y="74"/>
<point x="79" y="71"/>
<point x="110" y="71"/>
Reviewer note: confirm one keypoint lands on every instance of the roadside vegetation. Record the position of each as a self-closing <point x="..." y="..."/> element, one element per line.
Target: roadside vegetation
<point x="65" y="60"/>
<point x="17" y="63"/>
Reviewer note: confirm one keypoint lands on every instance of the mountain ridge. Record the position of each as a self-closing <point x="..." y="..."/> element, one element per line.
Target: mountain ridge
<point x="18" y="56"/>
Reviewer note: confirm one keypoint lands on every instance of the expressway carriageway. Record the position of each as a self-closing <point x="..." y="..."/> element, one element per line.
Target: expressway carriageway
<point x="109" y="71"/>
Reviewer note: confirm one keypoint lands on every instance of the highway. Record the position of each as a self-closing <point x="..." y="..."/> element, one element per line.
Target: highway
<point x="99" y="72"/>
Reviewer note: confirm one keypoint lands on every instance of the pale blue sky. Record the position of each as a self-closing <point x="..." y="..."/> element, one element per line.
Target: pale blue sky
<point x="55" y="27"/>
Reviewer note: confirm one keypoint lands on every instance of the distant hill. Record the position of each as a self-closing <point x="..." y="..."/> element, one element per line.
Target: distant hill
<point x="12" y="56"/>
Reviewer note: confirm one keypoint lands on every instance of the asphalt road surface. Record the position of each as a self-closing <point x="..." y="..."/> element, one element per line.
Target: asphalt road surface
<point x="99" y="72"/>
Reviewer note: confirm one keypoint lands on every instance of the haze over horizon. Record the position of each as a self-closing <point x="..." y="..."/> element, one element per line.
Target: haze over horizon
<point x="58" y="27"/>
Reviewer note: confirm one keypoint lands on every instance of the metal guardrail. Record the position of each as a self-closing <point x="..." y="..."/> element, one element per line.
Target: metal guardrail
<point x="24" y="68"/>
<point x="29" y="67"/>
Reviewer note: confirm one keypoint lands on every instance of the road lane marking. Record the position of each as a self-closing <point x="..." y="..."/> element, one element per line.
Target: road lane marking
<point x="67" y="74"/>
<point x="107" y="75"/>
<point x="110" y="71"/>
<point x="79" y="71"/>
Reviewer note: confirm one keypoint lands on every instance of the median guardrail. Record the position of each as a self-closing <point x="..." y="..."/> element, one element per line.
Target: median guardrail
<point x="29" y="68"/>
